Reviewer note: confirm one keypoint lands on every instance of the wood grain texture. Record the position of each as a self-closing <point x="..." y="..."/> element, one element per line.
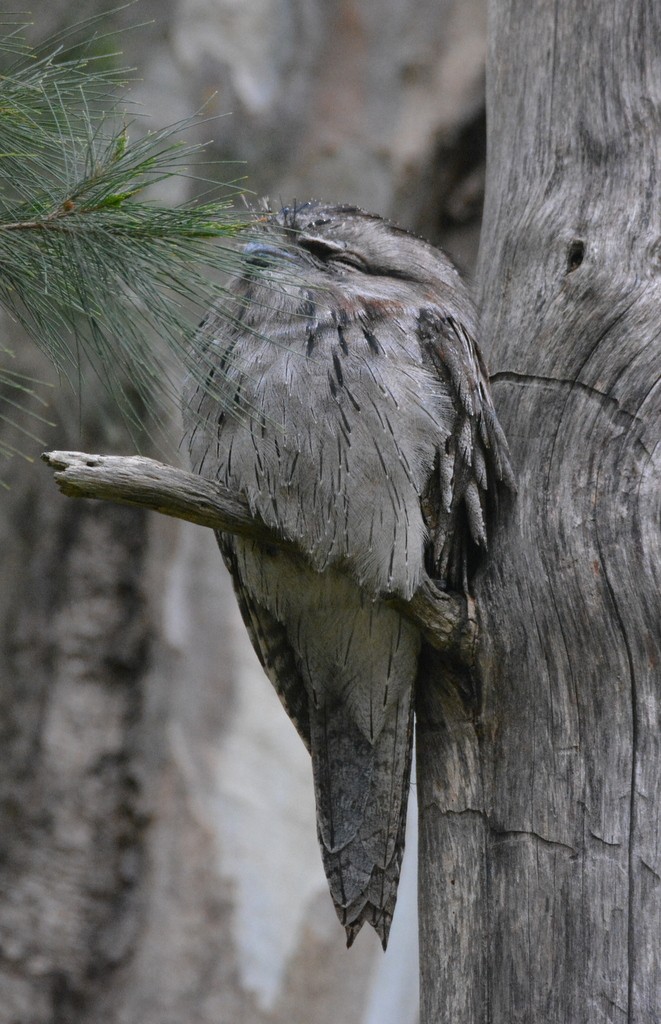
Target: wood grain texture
<point x="565" y="848"/>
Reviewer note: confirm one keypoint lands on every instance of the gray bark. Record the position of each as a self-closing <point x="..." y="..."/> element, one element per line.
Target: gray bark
<point x="541" y="804"/>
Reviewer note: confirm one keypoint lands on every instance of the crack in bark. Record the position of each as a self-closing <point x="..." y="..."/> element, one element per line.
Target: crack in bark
<point x="465" y="812"/>
<point x="606" y="842"/>
<point x="616" y="1006"/>
<point x="516" y="377"/>
<point x="516" y="833"/>
<point x="651" y="869"/>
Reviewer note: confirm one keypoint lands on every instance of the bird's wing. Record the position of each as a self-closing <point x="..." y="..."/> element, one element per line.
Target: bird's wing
<point x="271" y="643"/>
<point x="475" y="458"/>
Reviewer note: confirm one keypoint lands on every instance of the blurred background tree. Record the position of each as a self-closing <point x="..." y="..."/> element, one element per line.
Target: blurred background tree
<point x="144" y="755"/>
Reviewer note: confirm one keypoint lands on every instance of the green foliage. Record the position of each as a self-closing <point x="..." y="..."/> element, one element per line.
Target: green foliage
<point x="87" y="260"/>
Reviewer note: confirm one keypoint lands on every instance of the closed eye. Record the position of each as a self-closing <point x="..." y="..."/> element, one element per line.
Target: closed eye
<point x="326" y="250"/>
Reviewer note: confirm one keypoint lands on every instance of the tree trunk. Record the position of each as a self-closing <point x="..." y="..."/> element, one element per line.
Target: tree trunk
<point x="541" y="806"/>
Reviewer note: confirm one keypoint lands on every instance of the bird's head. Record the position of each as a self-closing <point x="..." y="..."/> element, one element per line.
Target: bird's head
<point x="343" y="242"/>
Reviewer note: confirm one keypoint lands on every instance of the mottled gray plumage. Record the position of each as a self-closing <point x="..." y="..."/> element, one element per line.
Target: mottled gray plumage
<point x="342" y="393"/>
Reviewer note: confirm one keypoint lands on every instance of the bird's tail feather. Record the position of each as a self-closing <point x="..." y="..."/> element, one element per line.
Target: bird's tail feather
<point x="362" y="791"/>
